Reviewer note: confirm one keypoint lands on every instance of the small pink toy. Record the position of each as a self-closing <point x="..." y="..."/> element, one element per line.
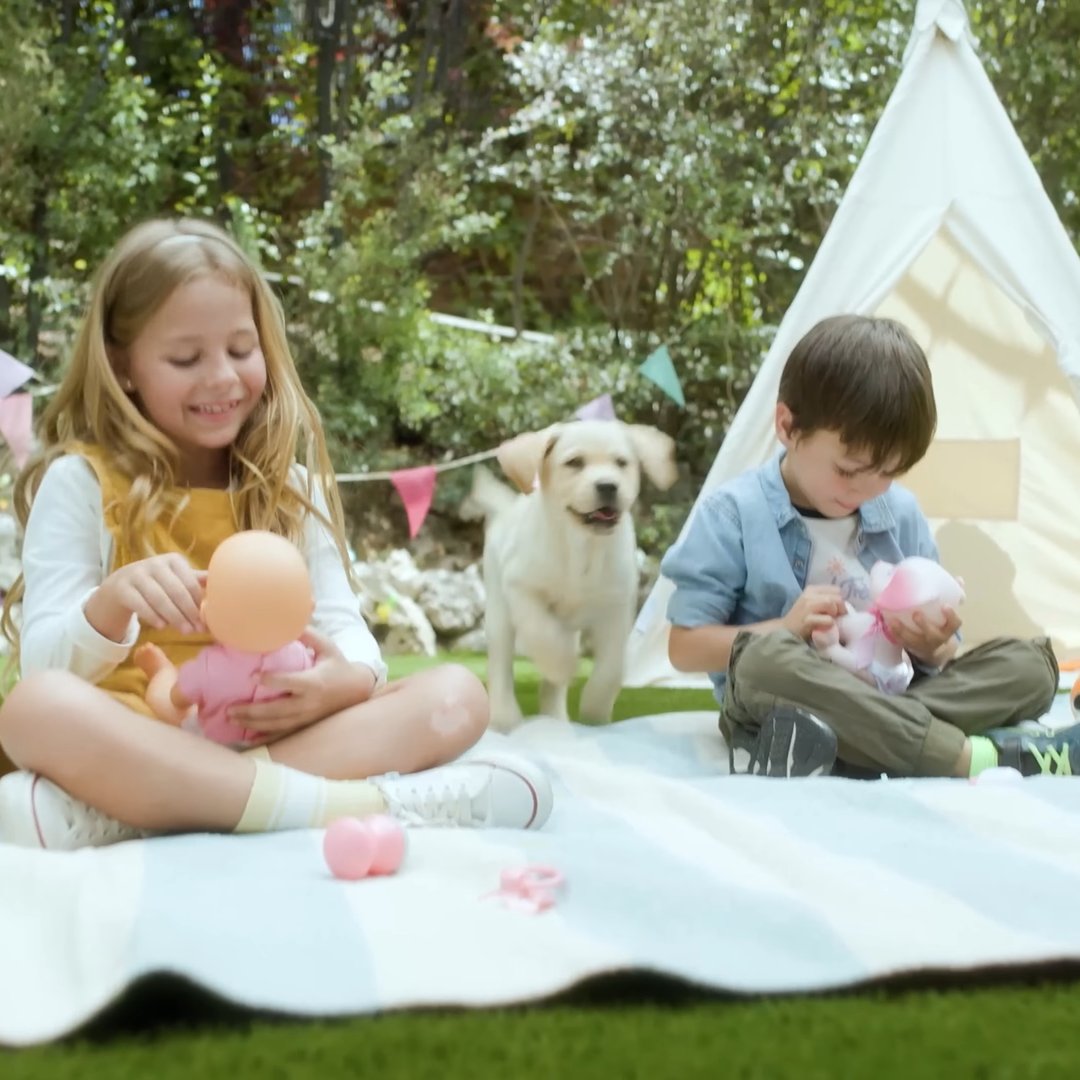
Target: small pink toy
<point x="527" y="888"/>
<point x="356" y="848"/>
<point x="860" y="641"/>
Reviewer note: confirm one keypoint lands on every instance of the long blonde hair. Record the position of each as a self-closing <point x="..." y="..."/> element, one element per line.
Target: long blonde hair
<point x="90" y="407"/>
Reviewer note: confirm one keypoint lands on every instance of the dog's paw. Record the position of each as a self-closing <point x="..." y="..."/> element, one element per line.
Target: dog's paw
<point x="504" y="717"/>
<point x="593" y="719"/>
<point x="596" y="705"/>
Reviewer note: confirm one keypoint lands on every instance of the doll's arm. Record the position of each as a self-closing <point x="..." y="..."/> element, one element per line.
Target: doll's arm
<point x="840" y="655"/>
<point x="163" y="694"/>
<point x="834" y="643"/>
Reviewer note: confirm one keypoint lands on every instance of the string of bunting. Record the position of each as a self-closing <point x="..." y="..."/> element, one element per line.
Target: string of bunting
<point x="16" y="409"/>
<point x="415" y="486"/>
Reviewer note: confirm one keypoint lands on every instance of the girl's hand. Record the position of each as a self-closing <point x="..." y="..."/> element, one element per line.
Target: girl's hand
<point x="332" y="684"/>
<point x="161" y="591"/>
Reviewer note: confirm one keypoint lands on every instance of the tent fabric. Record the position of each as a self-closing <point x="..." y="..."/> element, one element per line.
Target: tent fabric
<point x="946" y="226"/>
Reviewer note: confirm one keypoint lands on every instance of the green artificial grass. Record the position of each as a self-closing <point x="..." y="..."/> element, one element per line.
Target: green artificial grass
<point x="639" y="1028"/>
<point x="1026" y="1034"/>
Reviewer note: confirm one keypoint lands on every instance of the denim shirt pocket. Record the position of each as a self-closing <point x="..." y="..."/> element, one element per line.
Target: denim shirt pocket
<point x="797" y="546"/>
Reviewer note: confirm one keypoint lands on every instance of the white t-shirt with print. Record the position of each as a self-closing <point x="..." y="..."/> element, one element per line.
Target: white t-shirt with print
<point x="833" y="560"/>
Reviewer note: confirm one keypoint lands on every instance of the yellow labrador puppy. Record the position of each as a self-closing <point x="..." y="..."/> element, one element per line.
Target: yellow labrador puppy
<point x="560" y="559"/>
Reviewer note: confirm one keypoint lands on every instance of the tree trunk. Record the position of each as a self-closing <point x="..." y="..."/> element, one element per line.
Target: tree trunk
<point x="7" y="335"/>
<point x="326" y="19"/>
<point x="39" y="268"/>
<point x="522" y="261"/>
<point x="431" y="36"/>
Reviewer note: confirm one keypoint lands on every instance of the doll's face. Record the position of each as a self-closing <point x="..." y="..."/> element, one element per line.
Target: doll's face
<point x="258" y="594"/>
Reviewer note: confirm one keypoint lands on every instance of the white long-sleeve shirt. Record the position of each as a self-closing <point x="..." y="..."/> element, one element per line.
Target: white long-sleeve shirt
<point x="67" y="553"/>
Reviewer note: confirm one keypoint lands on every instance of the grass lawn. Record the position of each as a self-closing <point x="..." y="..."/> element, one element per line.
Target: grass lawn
<point x="648" y="1030"/>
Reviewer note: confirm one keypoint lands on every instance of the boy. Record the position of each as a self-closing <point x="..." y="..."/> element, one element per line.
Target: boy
<point x="775" y="553"/>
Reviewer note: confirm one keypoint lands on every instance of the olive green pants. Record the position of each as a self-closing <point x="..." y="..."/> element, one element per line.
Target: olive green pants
<point x="920" y="732"/>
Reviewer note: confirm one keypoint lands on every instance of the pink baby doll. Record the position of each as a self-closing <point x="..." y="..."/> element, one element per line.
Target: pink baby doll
<point x="257" y="601"/>
<point x="860" y="640"/>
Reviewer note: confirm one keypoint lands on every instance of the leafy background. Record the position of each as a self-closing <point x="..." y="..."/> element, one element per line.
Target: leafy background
<point x="615" y="173"/>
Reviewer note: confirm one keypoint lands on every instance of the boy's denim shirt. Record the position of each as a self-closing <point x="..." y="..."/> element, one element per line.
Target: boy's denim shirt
<point x="745" y="555"/>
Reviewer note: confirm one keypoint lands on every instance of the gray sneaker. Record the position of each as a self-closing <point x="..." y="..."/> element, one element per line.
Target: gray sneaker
<point x="1056" y="753"/>
<point x="35" y="813"/>
<point x="489" y="790"/>
<point x="793" y="742"/>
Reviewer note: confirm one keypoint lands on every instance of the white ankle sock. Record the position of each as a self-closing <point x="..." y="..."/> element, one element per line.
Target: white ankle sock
<point x="283" y="798"/>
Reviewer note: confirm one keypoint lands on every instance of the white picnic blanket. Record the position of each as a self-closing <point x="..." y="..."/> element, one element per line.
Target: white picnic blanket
<point x="741" y="884"/>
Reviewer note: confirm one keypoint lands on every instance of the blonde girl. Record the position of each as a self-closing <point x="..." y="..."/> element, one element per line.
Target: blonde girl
<point x="180" y="420"/>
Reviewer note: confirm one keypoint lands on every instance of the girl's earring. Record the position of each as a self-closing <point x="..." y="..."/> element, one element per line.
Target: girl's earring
<point x="128" y="386"/>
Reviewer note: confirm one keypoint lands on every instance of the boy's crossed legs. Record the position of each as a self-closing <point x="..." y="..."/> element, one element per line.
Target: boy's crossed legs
<point x="922" y="732"/>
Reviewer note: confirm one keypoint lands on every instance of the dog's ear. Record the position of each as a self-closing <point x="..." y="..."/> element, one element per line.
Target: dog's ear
<point x="522" y="457"/>
<point x="656" y="451"/>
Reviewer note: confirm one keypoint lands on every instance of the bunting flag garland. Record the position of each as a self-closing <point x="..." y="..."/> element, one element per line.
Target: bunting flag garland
<point x="16" y="410"/>
<point x="17" y="424"/>
<point x="659" y="369"/>
<point x="600" y="408"/>
<point x="416" y="488"/>
<point x="13" y="373"/>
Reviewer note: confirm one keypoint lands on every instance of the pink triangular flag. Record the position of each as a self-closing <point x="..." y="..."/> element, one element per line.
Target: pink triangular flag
<point x="17" y="425"/>
<point x="13" y="373"/>
<point x="416" y="488"/>
<point x="600" y="408"/>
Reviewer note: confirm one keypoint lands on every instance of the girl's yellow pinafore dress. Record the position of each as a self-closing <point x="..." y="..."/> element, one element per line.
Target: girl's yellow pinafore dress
<point x="207" y="519"/>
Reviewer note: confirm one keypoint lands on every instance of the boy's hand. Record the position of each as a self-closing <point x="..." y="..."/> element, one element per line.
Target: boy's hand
<point x="933" y="646"/>
<point x="816" y="609"/>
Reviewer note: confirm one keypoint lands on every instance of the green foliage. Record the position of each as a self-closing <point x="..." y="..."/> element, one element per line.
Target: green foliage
<point x="614" y="175"/>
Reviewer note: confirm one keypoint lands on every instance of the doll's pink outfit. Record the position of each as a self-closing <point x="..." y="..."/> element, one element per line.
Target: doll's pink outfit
<point x="220" y="677"/>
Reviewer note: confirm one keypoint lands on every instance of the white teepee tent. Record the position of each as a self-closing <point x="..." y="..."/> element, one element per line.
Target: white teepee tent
<point x="946" y="227"/>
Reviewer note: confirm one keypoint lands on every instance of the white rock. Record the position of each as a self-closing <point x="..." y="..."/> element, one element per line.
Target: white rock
<point x="474" y="641"/>
<point x="453" y="602"/>
<point x="402" y="573"/>
<point x="410" y="632"/>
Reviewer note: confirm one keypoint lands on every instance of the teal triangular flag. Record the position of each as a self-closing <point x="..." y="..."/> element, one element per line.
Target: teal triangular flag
<point x="659" y="368"/>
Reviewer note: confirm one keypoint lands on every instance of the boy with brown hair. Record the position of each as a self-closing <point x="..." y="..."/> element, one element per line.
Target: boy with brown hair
<point x="777" y="552"/>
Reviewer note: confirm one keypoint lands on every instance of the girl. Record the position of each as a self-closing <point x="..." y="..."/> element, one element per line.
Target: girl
<point x="178" y="422"/>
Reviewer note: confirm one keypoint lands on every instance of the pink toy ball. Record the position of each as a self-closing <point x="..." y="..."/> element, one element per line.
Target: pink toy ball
<point x="355" y="848"/>
<point x="389" y="839"/>
<point x="349" y="849"/>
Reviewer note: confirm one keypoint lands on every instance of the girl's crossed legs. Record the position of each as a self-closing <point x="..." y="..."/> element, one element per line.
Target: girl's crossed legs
<point x="104" y="765"/>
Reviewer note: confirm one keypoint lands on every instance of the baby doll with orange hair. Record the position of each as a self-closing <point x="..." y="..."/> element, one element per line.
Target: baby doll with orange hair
<point x="257" y="602"/>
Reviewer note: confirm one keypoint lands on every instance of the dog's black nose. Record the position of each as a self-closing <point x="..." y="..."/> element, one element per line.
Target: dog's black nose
<point x="606" y="489"/>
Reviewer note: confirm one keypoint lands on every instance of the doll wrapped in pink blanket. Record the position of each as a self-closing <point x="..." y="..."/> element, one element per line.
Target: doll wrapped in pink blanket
<point x="860" y="640"/>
